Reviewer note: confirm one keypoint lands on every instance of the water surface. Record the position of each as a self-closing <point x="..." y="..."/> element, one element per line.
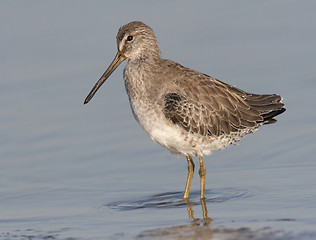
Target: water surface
<point x="74" y="171"/>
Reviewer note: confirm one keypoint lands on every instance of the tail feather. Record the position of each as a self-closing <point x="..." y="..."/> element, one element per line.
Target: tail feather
<point x="267" y="108"/>
<point x="268" y="105"/>
<point x="269" y="117"/>
<point x="263" y="99"/>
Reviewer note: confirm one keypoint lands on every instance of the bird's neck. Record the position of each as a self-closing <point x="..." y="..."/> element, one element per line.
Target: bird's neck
<point x="146" y="57"/>
<point x="137" y="72"/>
<point x="144" y="63"/>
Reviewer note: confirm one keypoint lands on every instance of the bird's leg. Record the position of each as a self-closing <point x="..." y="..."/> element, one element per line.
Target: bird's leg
<point x="189" y="178"/>
<point x="202" y="173"/>
<point x="204" y="209"/>
<point x="189" y="208"/>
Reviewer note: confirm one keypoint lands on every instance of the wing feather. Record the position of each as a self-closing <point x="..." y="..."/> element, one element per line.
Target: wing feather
<point x="204" y="105"/>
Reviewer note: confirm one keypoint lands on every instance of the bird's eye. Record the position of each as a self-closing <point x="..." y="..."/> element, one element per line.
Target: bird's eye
<point x="129" y="38"/>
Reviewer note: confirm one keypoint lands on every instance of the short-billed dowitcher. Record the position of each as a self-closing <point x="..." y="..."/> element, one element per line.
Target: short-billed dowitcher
<point x="186" y="111"/>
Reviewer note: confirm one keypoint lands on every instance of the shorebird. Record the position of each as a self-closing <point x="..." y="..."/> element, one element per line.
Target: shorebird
<point x="186" y="111"/>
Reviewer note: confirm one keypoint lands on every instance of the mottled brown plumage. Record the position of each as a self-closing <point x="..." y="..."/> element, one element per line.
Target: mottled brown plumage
<point x="214" y="108"/>
<point x="186" y="111"/>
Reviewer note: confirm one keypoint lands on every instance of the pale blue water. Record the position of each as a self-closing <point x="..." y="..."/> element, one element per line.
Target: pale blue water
<point x="69" y="171"/>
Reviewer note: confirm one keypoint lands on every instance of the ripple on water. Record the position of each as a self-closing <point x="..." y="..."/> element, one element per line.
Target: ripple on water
<point x="174" y="199"/>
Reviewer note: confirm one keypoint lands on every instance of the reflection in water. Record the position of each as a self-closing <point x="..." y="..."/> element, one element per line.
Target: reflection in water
<point x="206" y="219"/>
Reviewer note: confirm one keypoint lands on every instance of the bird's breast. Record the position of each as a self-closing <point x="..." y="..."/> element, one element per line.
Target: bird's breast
<point x="142" y="96"/>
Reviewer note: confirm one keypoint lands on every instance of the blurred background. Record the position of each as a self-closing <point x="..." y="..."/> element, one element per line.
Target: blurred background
<point x="69" y="170"/>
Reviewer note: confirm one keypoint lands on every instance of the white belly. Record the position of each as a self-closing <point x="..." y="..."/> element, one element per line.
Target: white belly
<point x="169" y="135"/>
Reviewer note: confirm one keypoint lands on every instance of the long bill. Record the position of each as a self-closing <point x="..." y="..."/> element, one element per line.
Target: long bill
<point x="115" y="63"/>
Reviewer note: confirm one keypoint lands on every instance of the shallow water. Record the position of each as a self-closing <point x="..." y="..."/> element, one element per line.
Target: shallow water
<point x="69" y="171"/>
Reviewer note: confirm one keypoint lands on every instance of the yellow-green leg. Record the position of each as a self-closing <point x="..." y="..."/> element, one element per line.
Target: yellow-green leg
<point x="202" y="173"/>
<point x="189" y="178"/>
<point x="189" y="208"/>
<point x="204" y="209"/>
